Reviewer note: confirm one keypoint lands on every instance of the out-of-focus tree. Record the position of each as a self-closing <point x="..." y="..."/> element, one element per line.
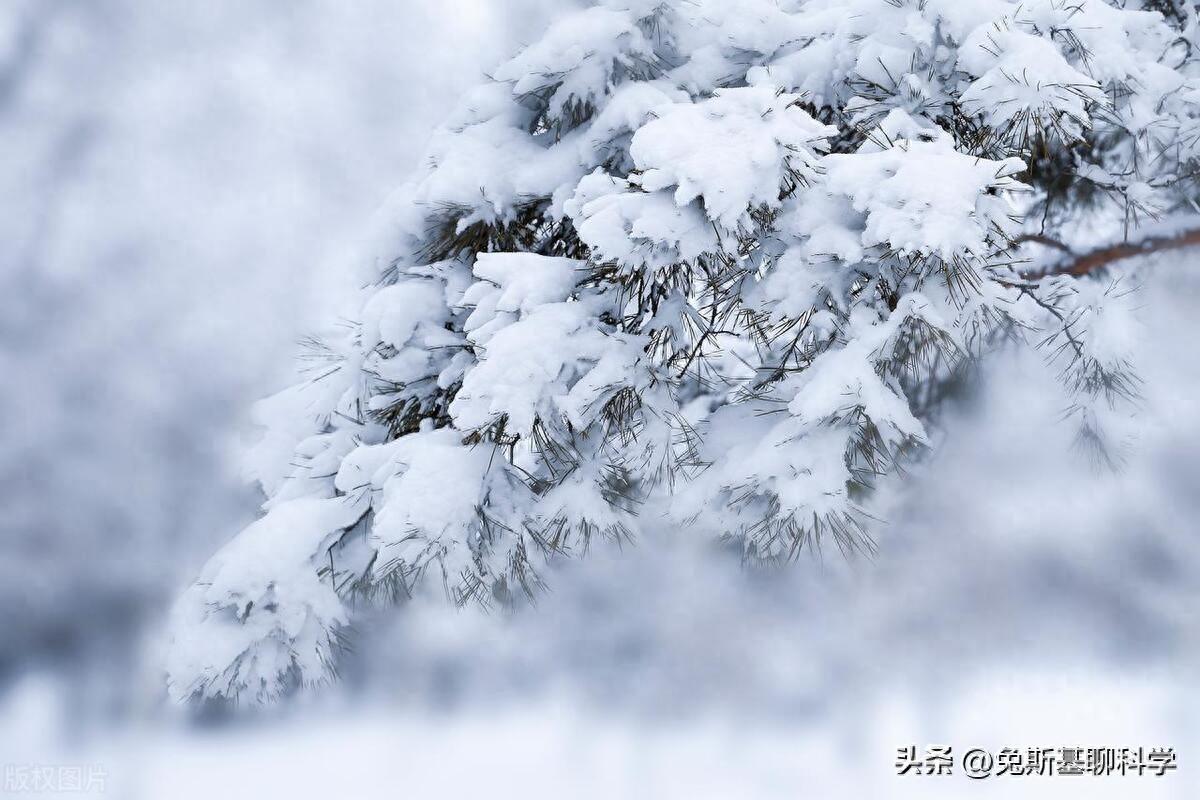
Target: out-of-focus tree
<point x="175" y="172"/>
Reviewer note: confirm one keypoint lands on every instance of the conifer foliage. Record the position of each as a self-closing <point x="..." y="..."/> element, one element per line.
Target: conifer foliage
<point x="711" y="265"/>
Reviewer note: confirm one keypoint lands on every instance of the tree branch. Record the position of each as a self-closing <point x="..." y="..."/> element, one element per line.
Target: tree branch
<point x="1042" y="239"/>
<point x="1080" y="264"/>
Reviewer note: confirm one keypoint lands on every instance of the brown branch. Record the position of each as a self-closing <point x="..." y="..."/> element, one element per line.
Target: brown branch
<point x="1085" y="263"/>
<point x="1042" y="239"/>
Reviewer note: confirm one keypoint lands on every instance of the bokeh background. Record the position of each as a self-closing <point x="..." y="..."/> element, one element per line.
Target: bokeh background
<point x="184" y="185"/>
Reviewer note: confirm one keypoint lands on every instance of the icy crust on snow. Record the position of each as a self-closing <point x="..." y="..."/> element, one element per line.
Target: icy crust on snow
<point x="638" y="277"/>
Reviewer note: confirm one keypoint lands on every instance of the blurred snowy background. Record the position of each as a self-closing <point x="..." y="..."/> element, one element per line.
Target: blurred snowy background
<point x="183" y="181"/>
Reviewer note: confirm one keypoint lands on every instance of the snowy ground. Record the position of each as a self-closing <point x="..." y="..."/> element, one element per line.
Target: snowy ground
<point x="559" y="747"/>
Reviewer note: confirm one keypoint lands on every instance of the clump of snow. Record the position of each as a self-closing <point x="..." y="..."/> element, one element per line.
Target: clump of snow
<point x="733" y="152"/>
<point x="259" y="611"/>
<point x="925" y="197"/>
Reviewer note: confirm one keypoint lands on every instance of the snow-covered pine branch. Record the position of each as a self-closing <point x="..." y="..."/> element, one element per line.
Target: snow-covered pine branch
<point x="706" y="264"/>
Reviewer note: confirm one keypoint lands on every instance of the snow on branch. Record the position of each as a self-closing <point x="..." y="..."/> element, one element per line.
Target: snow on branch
<point x="715" y="267"/>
